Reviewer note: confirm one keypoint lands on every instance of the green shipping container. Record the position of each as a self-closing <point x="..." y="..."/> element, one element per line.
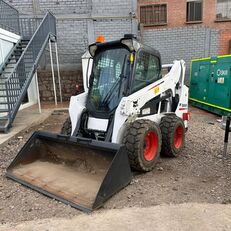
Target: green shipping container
<point x="210" y="84"/>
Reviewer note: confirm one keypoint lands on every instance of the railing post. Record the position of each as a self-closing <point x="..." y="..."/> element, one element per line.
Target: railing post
<point x="59" y="79"/>
<point x="52" y="71"/>
<point x="37" y="89"/>
<point x="18" y="23"/>
<point x="8" y="101"/>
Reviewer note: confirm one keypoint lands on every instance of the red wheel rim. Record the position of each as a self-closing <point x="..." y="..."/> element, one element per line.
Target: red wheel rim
<point x="151" y="145"/>
<point x="178" y="137"/>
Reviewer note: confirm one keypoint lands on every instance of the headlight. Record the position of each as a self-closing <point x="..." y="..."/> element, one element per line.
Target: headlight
<point x="132" y="44"/>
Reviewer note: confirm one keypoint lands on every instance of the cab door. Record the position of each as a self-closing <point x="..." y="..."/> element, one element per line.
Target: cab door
<point x="147" y="70"/>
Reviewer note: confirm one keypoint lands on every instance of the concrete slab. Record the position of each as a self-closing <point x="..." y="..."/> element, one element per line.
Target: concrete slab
<point x="182" y="217"/>
<point x="29" y="117"/>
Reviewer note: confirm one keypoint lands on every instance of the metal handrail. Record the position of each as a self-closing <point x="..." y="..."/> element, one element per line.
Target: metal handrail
<point x="25" y="50"/>
<point x="9" y="5"/>
<point x="29" y="45"/>
<point x="20" y="77"/>
<point x="9" y="17"/>
<point x="4" y="63"/>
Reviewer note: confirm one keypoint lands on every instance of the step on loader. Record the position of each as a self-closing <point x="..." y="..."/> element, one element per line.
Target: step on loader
<point x="128" y="114"/>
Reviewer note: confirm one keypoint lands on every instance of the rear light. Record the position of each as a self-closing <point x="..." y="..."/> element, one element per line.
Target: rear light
<point x="186" y="116"/>
<point x="77" y="87"/>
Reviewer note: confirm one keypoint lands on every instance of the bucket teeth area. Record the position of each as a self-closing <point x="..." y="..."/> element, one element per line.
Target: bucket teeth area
<point x="82" y="175"/>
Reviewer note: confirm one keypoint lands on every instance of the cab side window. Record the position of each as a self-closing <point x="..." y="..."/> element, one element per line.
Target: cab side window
<point x="147" y="70"/>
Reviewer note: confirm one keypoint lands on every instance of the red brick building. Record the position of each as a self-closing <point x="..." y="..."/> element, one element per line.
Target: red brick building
<point x="166" y="14"/>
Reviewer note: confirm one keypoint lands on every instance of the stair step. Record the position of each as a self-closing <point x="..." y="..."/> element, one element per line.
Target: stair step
<point x="10" y="65"/>
<point x="25" y="41"/>
<point x="14" y="89"/>
<point x="3" y="124"/>
<point x="6" y="103"/>
<point x="3" y="110"/>
<point x="11" y="61"/>
<point x="5" y="96"/>
<point x="3" y="121"/>
<point x="4" y="118"/>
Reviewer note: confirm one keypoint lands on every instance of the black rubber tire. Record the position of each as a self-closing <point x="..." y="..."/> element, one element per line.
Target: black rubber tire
<point x="134" y="141"/>
<point x="169" y="124"/>
<point x="66" y="129"/>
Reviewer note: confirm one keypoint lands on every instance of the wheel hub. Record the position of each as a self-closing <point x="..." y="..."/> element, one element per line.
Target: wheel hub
<point x="151" y="145"/>
<point x="178" y="137"/>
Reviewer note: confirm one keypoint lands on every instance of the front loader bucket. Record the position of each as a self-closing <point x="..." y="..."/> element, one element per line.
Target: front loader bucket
<point x="81" y="172"/>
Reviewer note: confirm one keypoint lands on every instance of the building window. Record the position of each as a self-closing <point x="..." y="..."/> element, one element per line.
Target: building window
<point x="223" y="10"/>
<point x="151" y="15"/>
<point x="194" y="11"/>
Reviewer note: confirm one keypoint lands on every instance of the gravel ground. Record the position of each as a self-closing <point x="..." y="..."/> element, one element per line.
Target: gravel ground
<point x="198" y="175"/>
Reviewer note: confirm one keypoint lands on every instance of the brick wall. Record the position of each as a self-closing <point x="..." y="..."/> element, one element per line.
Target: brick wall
<point x="63" y="6"/>
<point x="40" y="7"/>
<point x="72" y="40"/>
<point x="112" y="28"/>
<point x="111" y="8"/>
<point x="176" y="11"/>
<point x="69" y="79"/>
<point x="174" y="43"/>
<point x="183" y="43"/>
<point x="224" y="43"/>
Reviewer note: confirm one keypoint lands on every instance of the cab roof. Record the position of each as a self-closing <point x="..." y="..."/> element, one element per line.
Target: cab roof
<point x="119" y="43"/>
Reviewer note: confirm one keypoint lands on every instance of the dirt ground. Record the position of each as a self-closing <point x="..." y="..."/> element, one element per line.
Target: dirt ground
<point x="198" y="175"/>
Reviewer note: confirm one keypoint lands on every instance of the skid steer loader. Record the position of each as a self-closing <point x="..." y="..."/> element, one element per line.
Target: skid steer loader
<point x="127" y="115"/>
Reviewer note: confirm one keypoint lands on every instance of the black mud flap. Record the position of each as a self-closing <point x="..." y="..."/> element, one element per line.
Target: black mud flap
<point x="80" y="172"/>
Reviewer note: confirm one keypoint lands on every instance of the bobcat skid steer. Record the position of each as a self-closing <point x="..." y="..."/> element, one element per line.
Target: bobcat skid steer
<point x="127" y="115"/>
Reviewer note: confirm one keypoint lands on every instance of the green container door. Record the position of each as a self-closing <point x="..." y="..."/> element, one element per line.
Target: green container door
<point x="219" y="84"/>
<point x="210" y="84"/>
<point x="199" y="83"/>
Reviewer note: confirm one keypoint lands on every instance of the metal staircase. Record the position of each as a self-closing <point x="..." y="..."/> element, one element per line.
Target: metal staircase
<point x="19" y="67"/>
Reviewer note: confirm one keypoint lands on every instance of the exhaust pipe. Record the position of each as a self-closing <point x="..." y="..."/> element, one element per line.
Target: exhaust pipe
<point x="81" y="172"/>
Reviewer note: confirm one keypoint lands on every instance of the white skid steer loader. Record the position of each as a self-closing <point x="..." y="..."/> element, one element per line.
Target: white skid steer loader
<point x="127" y="115"/>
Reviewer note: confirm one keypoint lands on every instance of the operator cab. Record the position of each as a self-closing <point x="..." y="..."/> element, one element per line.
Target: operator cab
<point x="120" y="68"/>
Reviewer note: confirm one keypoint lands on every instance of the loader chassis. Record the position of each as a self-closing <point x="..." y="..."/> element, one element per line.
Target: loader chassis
<point x="125" y="85"/>
<point x="116" y="73"/>
<point x="126" y="117"/>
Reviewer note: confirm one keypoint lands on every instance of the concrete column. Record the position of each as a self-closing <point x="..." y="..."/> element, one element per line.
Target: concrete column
<point x="134" y="18"/>
<point x="207" y="42"/>
<point x="38" y="95"/>
<point x="90" y="31"/>
<point x="53" y="74"/>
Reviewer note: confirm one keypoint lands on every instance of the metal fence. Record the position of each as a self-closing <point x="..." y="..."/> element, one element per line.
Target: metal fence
<point x="9" y="17"/>
<point x="27" y="26"/>
<point x="18" y="81"/>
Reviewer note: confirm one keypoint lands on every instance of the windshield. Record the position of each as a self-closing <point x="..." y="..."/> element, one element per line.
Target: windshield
<point x="109" y="74"/>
